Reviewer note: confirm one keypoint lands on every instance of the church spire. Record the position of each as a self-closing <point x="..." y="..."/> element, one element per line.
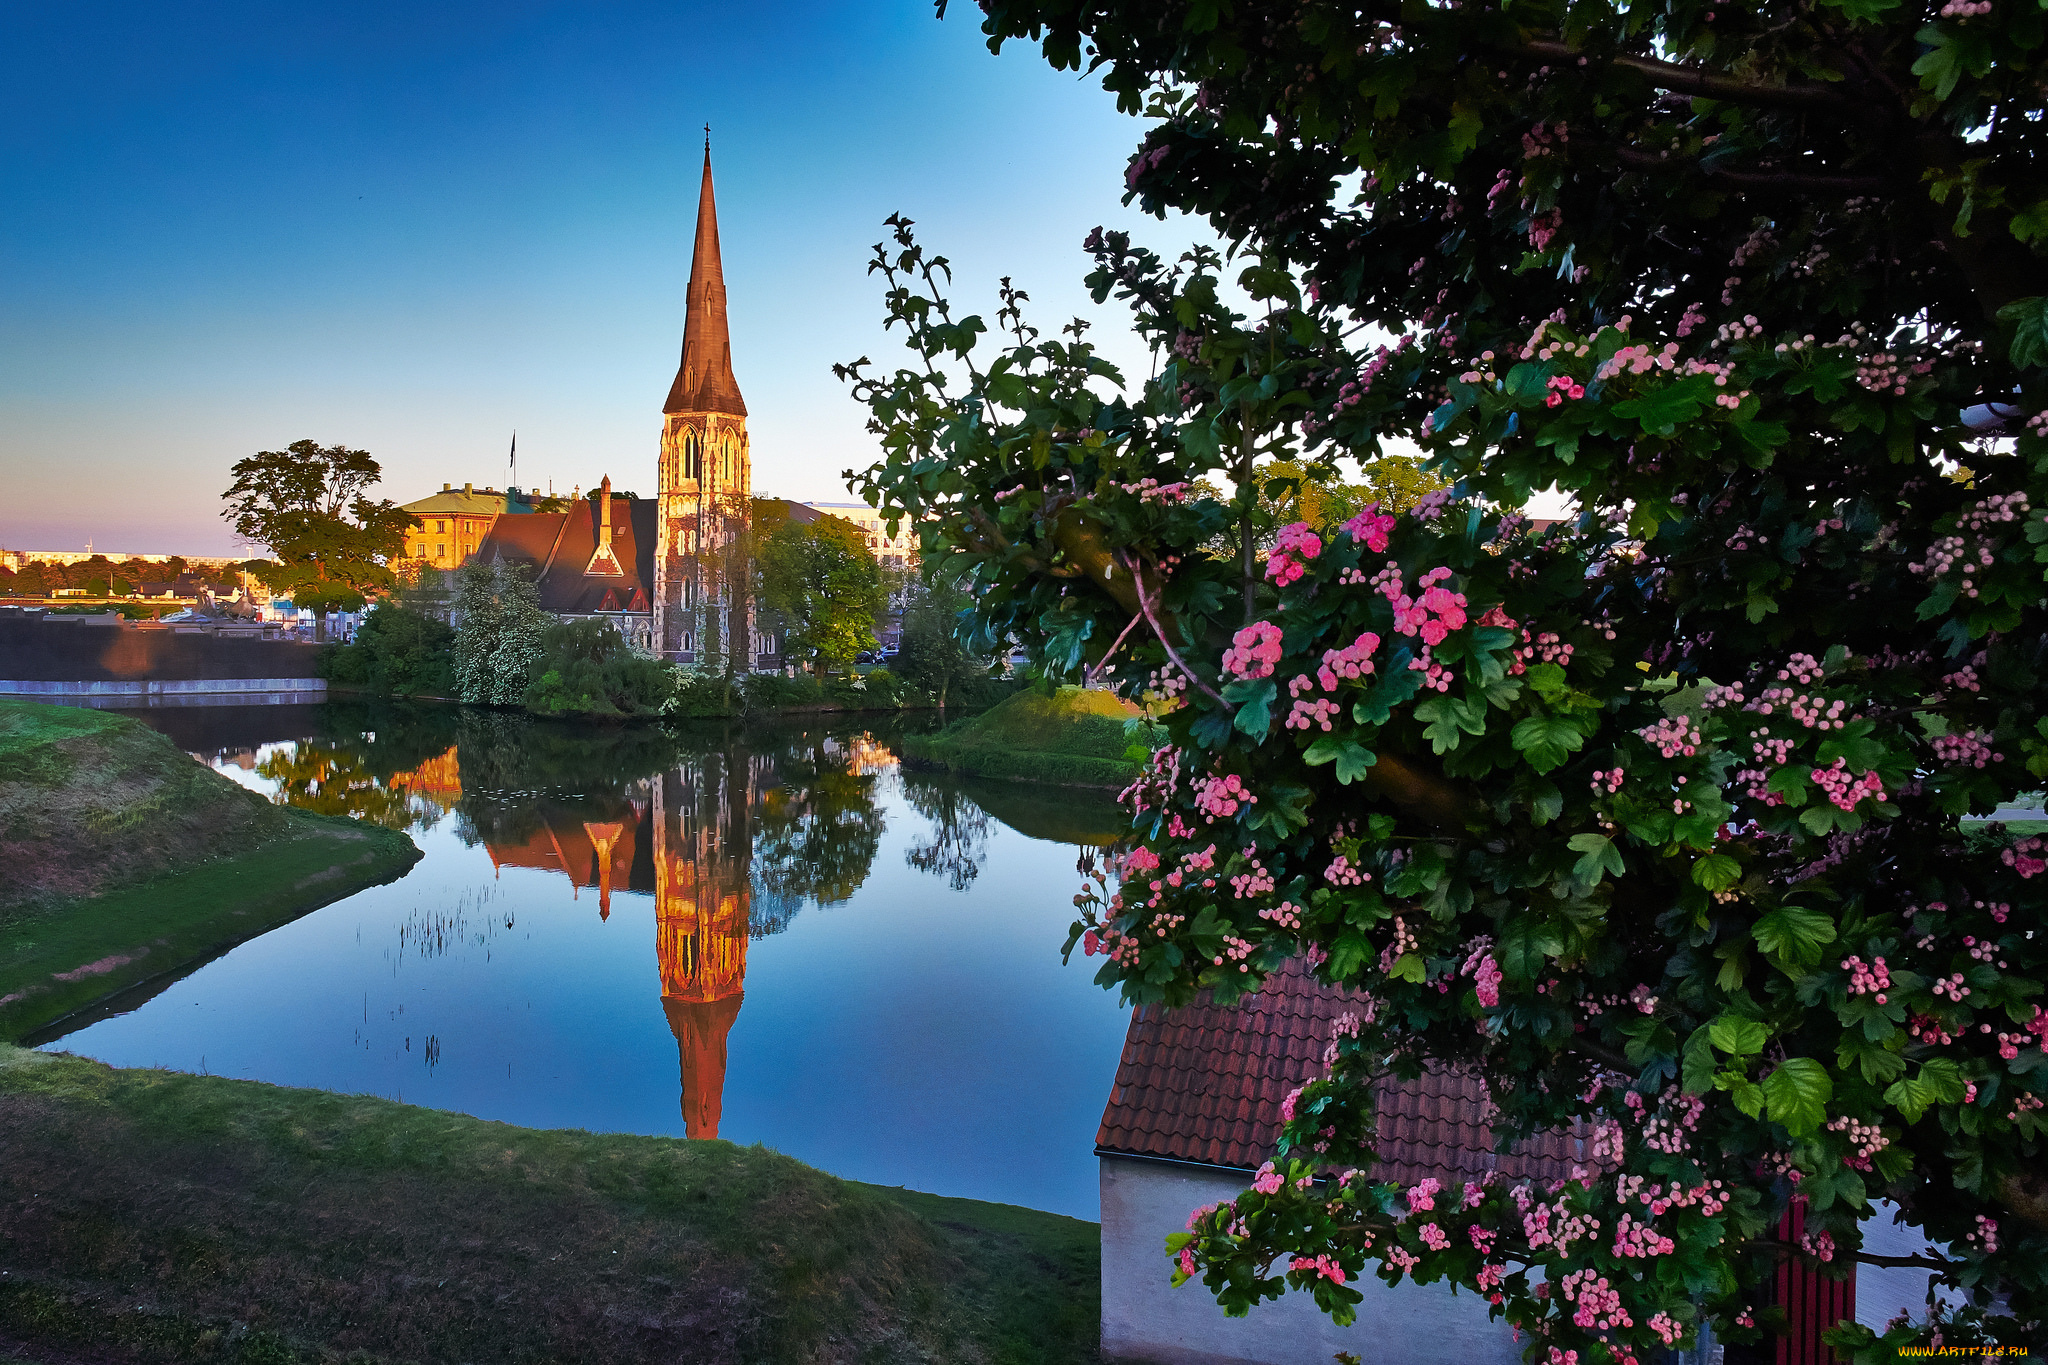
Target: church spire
<point x="704" y="381"/>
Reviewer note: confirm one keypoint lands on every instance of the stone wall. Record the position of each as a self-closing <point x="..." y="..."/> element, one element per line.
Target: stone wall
<point x="36" y="650"/>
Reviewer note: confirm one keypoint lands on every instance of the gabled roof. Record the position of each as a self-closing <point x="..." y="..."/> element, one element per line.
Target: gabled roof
<point x="704" y="380"/>
<point x="562" y="545"/>
<point x="1205" y="1084"/>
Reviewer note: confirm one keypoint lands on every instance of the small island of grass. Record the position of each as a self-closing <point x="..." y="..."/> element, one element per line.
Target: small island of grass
<point x="127" y="860"/>
<point x="1074" y="737"/>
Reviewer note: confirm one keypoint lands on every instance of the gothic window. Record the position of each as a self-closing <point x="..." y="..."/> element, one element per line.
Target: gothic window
<point x="690" y="458"/>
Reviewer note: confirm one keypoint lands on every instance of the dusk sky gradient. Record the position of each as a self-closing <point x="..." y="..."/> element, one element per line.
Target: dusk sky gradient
<point x="226" y="227"/>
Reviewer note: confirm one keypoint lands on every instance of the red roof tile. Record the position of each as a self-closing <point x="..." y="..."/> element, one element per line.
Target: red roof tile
<point x="1205" y="1084"/>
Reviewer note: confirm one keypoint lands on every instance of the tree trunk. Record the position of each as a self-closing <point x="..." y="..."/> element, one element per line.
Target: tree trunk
<point x="319" y="626"/>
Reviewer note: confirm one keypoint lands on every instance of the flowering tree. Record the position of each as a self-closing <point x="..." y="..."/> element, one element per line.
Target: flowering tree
<point x="1653" y="819"/>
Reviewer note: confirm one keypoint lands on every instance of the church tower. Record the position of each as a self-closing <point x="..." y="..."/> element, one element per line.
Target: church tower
<point x="706" y="475"/>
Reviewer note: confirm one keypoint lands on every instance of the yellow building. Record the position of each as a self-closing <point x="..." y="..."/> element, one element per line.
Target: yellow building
<point x="892" y="552"/>
<point x="449" y="525"/>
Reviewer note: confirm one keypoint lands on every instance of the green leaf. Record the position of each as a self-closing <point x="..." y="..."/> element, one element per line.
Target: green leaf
<point x="1736" y="1036"/>
<point x="2029" y="320"/>
<point x="1698" y="1063"/>
<point x="1449" y="719"/>
<point x="1798" y="1093"/>
<point x="1526" y="944"/>
<point x="1352" y="759"/>
<point x="1600" y="856"/>
<point x="1409" y="967"/>
<point x="1716" y="872"/>
<point x="1254" y="701"/>
<point x="1794" y="935"/>
<point x="1546" y="741"/>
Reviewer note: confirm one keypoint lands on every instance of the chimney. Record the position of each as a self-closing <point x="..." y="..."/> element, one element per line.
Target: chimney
<point x="447" y="487"/>
<point x="469" y="488"/>
<point x="604" y="517"/>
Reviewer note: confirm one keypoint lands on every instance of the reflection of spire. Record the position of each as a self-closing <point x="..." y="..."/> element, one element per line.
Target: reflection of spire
<point x="603" y="834"/>
<point x="702" y="845"/>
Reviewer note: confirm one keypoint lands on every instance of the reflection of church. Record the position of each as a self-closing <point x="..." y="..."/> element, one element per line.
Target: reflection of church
<point x="686" y="836"/>
<point x="703" y="846"/>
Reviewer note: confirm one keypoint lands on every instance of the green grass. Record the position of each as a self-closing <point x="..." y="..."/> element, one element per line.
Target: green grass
<point x="152" y="1216"/>
<point x="110" y="943"/>
<point x="1072" y="737"/>
<point x="127" y="860"/>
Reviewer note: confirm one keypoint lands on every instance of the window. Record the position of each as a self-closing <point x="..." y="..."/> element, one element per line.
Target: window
<point x="440" y="528"/>
<point x="440" y="551"/>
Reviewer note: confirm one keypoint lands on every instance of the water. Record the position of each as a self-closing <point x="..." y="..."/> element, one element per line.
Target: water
<point x="771" y="935"/>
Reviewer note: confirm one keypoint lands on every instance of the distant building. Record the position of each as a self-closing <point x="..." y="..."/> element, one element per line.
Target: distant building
<point x="450" y="526"/>
<point x="892" y="552"/>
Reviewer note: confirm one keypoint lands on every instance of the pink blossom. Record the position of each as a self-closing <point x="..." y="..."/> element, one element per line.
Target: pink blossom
<point x="1253" y="651"/>
<point x="1370" y="528"/>
<point x="1298" y="542"/>
<point x="1268" y="1180"/>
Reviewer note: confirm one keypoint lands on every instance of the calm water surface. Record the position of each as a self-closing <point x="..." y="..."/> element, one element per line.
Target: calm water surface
<point x="770" y="935"/>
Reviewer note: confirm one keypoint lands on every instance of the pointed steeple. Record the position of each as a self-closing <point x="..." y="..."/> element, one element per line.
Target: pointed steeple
<point x="704" y="381"/>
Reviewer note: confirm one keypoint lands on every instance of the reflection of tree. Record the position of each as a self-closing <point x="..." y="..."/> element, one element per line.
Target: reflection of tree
<point x="959" y="836"/>
<point x="336" y="779"/>
<point x="819" y="827"/>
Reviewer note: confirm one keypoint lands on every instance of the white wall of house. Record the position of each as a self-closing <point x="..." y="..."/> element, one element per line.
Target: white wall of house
<point x="1144" y="1318"/>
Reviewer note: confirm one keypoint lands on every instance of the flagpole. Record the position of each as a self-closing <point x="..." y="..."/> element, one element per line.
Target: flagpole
<point x="514" y="481"/>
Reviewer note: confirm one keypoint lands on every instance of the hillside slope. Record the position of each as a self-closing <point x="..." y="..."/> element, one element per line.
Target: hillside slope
<point x="91" y="800"/>
<point x="1071" y="737"/>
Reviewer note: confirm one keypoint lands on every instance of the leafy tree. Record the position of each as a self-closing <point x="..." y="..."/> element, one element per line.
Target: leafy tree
<point x="397" y="652"/>
<point x="935" y="651"/>
<point x="1654" y="821"/>
<point x="498" y="631"/>
<point x="309" y="504"/>
<point x="587" y="668"/>
<point x="823" y="581"/>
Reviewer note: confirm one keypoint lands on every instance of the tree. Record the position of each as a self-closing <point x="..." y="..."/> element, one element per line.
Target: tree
<point x="1651" y="820"/>
<point x="587" y="668"/>
<point x="308" y="503"/>
<point x="397" y="651"/>
<point x="822" y="579"/>
<point x="938" y="630"/>
<point x="498" y="631"/>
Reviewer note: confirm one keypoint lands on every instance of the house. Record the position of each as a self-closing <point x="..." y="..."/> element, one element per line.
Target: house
<point x="1196" y="1109"/>
<point x="1193" y="1113"/>
<point x="450" y="526"/>
<point x="594" y="562"/>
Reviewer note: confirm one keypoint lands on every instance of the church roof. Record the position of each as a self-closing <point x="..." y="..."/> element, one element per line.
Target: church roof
<point x="562" y="546"/>
<point x="704" y="381"/>
<point x="1205" y="1084"/>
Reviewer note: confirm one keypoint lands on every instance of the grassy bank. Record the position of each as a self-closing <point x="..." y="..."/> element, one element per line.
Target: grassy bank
<point x="126" y="860"/>
<point x="1072" y="737"/>
<point x="59" y="959"/>
<point x="156" y="1217"/>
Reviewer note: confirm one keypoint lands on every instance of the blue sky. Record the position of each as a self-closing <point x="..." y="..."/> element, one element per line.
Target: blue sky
<point x="228" y="226"/>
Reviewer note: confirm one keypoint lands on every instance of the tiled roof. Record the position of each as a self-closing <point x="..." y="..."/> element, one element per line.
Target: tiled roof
<point x="561" y="545"/>
<point x="1205" y="1083"/>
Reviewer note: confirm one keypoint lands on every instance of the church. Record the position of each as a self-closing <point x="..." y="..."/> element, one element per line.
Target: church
<point x="663" y="569"/>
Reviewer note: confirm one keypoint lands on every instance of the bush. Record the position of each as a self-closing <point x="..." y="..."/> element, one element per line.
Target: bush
<point x="588" y="669"/>
<point x="396" y="652"/>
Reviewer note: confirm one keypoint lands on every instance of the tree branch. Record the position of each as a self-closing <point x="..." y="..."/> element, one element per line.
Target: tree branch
<point x="1789" y="181"/>
<point x="1686" y="80"/>
<point x="1906" y="1262"/>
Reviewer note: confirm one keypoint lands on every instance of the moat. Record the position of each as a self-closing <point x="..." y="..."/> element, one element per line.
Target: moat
<point x="770" y="934"/>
